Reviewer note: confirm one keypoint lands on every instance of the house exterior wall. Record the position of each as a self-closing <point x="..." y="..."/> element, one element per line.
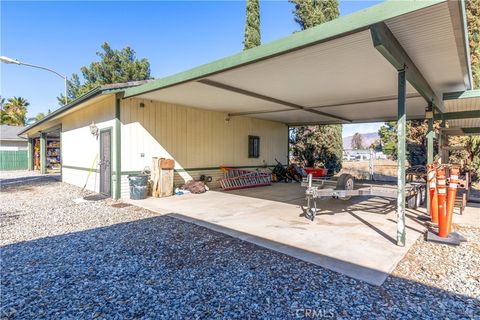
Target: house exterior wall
<point x="11" y="145"/>
<point x="199" y="141"/>
<point x="80" y="149"/>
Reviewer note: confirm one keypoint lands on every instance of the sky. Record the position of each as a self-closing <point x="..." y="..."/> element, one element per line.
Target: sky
<point x="173" y="35"/>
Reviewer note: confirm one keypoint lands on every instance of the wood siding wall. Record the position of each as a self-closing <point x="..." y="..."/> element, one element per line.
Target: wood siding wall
<point x="200" y="141"/>
<point x="80" y="148"/>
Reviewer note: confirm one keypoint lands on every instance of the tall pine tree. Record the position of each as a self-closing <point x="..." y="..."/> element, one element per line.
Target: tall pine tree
<point x="252" y="25"/>
<point x="317" y="145"/>
<point x="473" y="25"/>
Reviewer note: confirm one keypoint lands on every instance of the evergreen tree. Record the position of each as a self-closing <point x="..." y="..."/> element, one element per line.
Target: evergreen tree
<point x="310" y="13"/>
<point x="317" y="145"/>
<point x="357" y="141"/>
<point x="252" y="25"/>
<point x="114" y="66"/>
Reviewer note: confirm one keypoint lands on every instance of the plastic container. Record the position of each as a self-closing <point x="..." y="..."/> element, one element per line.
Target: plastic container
<point x="317" y="172"/>
<point x="138" y="186"/>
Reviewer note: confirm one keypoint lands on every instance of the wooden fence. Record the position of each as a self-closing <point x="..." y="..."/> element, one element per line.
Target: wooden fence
<point x="14" y="160"/>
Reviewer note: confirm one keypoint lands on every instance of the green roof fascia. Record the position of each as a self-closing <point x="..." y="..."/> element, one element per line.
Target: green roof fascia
<point x="66" y="107"/>
<point x="341" y="26"/>
<point x="472" y="131"/>
<point x="462" y="95"/>
<point x="472" y="114"/>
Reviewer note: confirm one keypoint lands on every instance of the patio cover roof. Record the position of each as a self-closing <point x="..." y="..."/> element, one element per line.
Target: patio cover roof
<point x="338" y="72"/>
<point x="462" y="113"/>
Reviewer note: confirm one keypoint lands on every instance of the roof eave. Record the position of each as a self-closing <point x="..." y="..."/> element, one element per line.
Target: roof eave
<point x="339" y="27"/>
<point x="83" y="98"/>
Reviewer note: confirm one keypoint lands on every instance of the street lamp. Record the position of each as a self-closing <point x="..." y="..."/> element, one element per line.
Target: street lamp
<point x="13" y="61"/>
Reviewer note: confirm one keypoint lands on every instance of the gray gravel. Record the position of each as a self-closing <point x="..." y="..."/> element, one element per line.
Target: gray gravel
<point x="91" y="260"/>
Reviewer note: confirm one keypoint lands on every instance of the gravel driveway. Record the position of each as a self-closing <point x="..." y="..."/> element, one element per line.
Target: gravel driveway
<point x="62" y="259"/>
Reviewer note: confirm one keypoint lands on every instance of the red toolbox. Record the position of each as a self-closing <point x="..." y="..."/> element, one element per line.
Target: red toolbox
<point x="317" y="172"/>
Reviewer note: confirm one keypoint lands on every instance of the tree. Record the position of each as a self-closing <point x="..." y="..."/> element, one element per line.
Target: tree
<point x="467" y="149"/>
<point x="37" y="118"/>
<point x="416" y="141"/>
<point x="357" y="141"/>
<point x="114" y="66"/>
<point x="14" y="111"/>
<point x="310" y="13"/>
<point x="473" y="26"/>
<point x="317" y="145"/>
<point x="252" y="25"/>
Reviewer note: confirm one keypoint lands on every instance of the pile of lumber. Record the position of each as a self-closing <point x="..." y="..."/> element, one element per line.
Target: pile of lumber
<point x="162" y="177"/>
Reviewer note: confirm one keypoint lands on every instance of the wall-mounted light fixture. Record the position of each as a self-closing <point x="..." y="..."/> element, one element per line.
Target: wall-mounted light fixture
<point x="94" y="129"/>
<point x="142" y="105"/>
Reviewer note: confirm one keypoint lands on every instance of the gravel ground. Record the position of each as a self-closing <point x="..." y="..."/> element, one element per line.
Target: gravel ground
<point x="61" y="259"/>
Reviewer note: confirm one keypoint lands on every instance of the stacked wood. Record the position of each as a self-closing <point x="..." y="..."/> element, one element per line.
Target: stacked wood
<point x="162" y="177"/>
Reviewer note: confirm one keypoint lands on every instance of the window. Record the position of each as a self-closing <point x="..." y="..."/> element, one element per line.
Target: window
<point x="253" y="146"/>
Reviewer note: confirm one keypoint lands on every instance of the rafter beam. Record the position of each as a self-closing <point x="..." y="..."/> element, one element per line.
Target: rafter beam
<point x="340" y="104"/>
<point x="386" y="43"/>
<point x="458" y="115"/>
<point x="270" y="99"/>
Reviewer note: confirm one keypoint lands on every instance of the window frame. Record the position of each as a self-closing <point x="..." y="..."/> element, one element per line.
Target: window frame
<point x="253" y="147"/>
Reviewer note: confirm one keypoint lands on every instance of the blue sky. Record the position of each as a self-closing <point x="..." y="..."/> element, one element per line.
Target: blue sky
<point x="173" y="36"/>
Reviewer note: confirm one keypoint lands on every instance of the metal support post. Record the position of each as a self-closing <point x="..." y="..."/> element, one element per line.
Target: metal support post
<point x="30" y="154"/>
<point x="43" y="153"/>
<point x="401" y="135"/>
<point x="430" y="135"/>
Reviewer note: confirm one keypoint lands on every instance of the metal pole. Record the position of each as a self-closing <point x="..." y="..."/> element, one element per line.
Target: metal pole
<point x="401" y="135"/>
<point x="430" y="135"/>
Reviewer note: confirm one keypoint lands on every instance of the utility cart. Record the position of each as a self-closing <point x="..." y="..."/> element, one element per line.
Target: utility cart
<point x="345" y="187"/>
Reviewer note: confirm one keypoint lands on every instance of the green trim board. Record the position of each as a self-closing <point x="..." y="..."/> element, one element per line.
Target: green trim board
<point x="80" y="168"/>
<point x="458" y="115"/>
<point x="118" y="148"/>
<point x="342" y="26"/>
<point x="468" y="94"/>
<point x="386" y="43"/>
<point x="125" y="173"/>
<point x="471" y="130"/>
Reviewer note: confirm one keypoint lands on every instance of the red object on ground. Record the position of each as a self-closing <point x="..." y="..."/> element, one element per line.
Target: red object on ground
<point x="317" y="172"/>
<point x="452" y="195"/>
<point x="432" y="187"/>
<point x="442" y="203"/>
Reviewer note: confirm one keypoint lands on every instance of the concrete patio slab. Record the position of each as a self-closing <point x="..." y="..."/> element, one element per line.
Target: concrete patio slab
<point x="355" y="237"/>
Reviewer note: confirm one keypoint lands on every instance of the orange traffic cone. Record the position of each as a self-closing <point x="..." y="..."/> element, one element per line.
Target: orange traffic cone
<point x="432" y="187"/>
<point x="442" y="203"/>
<point x="452" y="195"/>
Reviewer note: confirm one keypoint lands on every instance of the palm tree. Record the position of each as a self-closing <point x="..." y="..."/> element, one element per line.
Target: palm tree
<point x="14" y="112"/>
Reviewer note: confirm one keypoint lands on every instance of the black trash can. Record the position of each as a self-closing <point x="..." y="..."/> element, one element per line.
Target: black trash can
<point x="138" y="186"/>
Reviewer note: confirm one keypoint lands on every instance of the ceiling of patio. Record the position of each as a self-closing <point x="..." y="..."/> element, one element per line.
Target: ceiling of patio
<point x="338" y="81"/>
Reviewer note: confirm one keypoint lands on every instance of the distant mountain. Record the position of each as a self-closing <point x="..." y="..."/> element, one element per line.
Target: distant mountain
<point x="367" y="138"/>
